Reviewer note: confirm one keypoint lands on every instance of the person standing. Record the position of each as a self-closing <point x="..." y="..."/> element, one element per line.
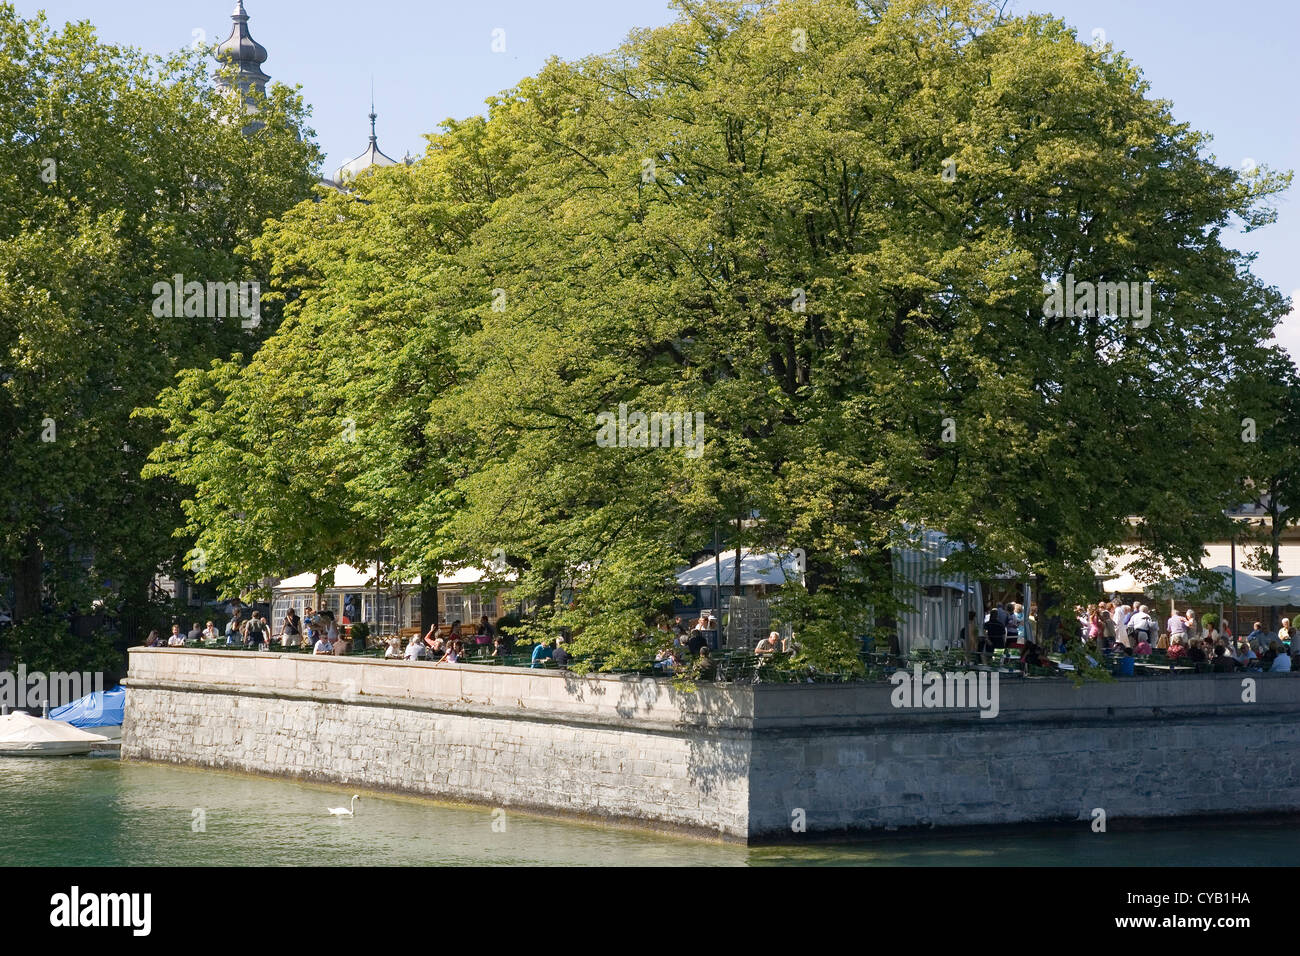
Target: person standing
<point x="1177" y="627"/>
<point x="1212" y="635"/>
<point x="970" y="635"/>
<point x="255" y="632"/>
<point x="1141" y="627"/>
<point x="331" y="630"/>
<point x="1121" y="617"/>
<point x="233" y="628"/>
<point x="290" y="628"/>
<point x="995" y="631"/>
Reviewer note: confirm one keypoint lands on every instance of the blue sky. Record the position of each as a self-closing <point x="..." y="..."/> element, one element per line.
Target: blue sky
<point x="1230" y="70"/>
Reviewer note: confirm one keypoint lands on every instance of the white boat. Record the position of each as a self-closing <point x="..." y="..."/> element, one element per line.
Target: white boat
<point x="22" y="735"/>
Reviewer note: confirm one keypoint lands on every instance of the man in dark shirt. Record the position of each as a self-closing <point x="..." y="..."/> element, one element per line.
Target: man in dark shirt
<point x="1223" y="662"/>
<point x="697" y="641"/>
<point x="196" y="633"/>
<point x="560" y="655"/>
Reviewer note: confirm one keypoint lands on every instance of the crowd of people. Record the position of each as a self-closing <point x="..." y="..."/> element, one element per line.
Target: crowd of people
<point x="433" y="646"/>
<point x="684" y="646"/>
<point x="1133" y="630"/>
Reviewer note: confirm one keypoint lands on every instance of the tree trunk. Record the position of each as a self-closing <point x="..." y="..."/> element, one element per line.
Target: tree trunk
<point x="428" y="603"/>
<point x="880" y="572"/>
<point x="29" y="580"/>
<point x="1049" y="605"/>
<point x="1276" y="521"/>
<point x="735" y="592"/>
<point x="134" y="622"/>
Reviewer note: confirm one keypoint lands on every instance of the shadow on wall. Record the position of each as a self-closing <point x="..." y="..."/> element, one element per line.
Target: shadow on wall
<point x="718" y="752"/>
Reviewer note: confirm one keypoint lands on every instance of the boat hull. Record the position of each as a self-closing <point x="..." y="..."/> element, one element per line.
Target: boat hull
<point x="47" y="749"/>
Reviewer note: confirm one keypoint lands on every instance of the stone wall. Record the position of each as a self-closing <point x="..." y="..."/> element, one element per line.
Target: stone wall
<point x="624" y="749"/>
<point x="738" y="762"/>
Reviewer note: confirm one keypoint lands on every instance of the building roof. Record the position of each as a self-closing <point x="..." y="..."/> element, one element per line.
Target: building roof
<point x="373" y="156"/>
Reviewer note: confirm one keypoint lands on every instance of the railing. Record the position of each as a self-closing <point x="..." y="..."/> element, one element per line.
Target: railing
<point x="746" y="667"/>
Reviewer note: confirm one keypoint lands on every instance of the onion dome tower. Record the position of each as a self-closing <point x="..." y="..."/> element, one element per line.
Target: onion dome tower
<point x="245" y="53"/>
<point x="371" y="157"/>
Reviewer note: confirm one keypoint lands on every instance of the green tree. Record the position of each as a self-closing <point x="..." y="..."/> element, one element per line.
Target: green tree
<point x="827" y="230"/>
<point x="320" y="448"/>
<point x="118" y="170"/>
<point x="1270" y="435"/>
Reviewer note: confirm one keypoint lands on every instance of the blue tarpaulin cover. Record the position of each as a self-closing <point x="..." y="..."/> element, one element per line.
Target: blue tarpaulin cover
<point x="101" y="709"/>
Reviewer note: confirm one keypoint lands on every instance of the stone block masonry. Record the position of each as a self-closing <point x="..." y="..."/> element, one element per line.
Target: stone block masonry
<point x="734" y="762"/>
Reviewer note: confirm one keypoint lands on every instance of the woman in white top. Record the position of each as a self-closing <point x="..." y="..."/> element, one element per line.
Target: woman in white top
<point x="415" y="649"/>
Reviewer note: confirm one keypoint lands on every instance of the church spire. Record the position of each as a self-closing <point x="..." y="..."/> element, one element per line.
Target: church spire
<point x="245" y="53"/>
<point x="373" y="115"/>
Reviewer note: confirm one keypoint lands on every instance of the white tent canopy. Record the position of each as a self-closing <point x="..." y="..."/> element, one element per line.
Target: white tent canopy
<point x="1247" y="585"/>
<point x="756" y="568"/>
<point x="1126" y="582"/>
<point x="1285" y="593"/>
<point x="1218" y="557"/>
<point x="346" y="577"/>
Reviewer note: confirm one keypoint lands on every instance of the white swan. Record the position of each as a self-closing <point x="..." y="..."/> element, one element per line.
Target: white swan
<point x="347" y="811"/>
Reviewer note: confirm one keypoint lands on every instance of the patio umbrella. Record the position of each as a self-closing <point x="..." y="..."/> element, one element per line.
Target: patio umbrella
<point x="1285" y="593"/>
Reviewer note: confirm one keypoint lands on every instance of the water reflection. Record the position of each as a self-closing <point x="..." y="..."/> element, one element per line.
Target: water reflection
<point x="78" y="811"/>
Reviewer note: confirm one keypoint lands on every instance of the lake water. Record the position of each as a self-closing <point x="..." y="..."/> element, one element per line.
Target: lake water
<point x="81" y="811"/>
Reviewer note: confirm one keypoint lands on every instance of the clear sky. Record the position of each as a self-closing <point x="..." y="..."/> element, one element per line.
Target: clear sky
<point x="1231" y="69"/>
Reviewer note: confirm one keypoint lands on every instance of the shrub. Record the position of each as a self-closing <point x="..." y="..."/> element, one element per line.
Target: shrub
<point x="47" y="644"/>
<point x="509" y="623"/>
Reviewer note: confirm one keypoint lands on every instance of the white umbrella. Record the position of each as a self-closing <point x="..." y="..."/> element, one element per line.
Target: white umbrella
<point x="1285" y="593"/>
<point x="1247" y="585"/>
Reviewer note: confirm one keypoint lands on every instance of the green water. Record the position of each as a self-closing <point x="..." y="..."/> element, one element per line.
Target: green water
<point x="80" y="811"/>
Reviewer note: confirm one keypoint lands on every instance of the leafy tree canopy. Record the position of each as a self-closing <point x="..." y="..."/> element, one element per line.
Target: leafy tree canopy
<point x="118" y="170"/>
<point x="824" y="230"/>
